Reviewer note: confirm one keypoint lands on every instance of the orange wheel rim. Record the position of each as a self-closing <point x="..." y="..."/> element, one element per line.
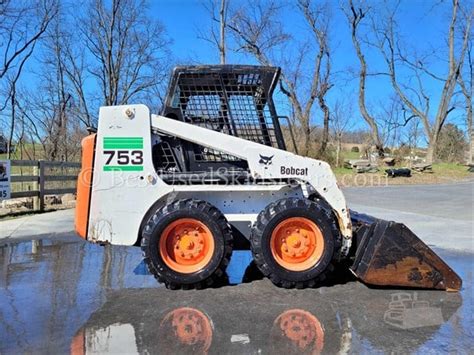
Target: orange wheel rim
<point x="297" y="244"/>
<point x="186" y="245"/>
<point x="302" y="328"/>
<point x="190" y="326"/>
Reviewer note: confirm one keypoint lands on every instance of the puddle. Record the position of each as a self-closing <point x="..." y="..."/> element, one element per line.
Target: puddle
<point x="67" y="295"/>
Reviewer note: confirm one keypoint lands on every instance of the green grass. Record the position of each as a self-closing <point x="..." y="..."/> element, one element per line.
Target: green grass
<point x="451" y="169"/>
<point x="442" y="173"/>
<point x="27" y="148"/>
<point x="341" y="170"/>
<point x="347" y="155"/>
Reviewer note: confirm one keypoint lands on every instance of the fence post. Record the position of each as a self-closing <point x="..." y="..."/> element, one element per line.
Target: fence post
<point x="41" y="181"/>
<point x="36" y="200"/>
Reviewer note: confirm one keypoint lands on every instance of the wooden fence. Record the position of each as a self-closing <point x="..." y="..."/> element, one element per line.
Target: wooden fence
<point x="39" y="174"/>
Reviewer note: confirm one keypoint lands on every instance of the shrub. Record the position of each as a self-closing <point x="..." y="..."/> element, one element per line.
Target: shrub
<point x="451" y="144"/>
<point x="355" y="149"/>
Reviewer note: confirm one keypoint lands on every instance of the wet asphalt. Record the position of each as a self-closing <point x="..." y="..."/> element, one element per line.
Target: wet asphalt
<point x="59" y="294"/>
<point x="64" y="295"/>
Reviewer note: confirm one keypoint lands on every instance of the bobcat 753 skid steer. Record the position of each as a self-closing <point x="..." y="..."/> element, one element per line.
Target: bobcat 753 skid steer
<point x="212" y="174"/>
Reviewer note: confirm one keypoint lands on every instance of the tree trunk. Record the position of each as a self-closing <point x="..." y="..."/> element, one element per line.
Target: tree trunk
<point x="12" y="124"/>
<point x="429" y="154"/>
<point x="470" y="133"/>
<point x="338" y="152"/>
<point x="222" y="48"/>
<point x="306" y="140"/>
<point x="325" y="138"/>
<point x="354" y="22"/>
<point x="431" y="151"/>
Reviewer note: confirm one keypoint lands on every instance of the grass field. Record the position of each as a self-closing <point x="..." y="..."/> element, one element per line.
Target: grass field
<point x="442" y="173"/>
<point x="350" y="155"/>
<point x="28" y="150"/>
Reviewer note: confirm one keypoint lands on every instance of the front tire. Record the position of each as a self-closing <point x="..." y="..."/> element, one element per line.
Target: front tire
<point x="187" y="244"/>
<point x="294" y="242"/>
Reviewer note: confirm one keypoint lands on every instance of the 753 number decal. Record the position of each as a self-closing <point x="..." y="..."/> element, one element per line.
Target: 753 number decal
<point x="124" y="157"/>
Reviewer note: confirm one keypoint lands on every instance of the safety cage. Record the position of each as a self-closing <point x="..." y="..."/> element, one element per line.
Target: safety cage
<point x="232" y="99"/>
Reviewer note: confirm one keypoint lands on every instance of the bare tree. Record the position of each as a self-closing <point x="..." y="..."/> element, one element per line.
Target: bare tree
<point x="128" y="49"/>
<point x="417" y="100"/>
<point x="22" y="25"/>
<point x="60" y="97"/>
<point x="355" y="14"/>
<point x="257" y="29"/>
<point x="392" y="118"/>
<point x="75" y="68"/>
<point x="49" y="107"/>
<point x="12" y="86"/>
<point x="318" y="20"/>
<point x="341" y="122"/>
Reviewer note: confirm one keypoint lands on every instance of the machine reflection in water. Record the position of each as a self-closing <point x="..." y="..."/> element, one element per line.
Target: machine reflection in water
<point x="298" y="329"/>
<point x="189" y="330"/>
<point x="186" y="328"/>
<point x="274" y="328"/>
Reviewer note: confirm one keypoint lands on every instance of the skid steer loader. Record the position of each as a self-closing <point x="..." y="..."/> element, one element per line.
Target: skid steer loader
<point x="212" y="174"/>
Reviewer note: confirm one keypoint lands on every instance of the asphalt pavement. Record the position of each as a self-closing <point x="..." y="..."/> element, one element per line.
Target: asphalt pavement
<point x="59" y="294"/>
<point x="441" y="215"/>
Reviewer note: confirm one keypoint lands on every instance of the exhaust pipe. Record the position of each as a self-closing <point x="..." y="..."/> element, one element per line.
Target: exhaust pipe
<point x="390" y="254"/>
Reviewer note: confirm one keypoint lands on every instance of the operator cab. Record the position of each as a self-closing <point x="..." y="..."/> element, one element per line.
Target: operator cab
<point x="231" y="99"/>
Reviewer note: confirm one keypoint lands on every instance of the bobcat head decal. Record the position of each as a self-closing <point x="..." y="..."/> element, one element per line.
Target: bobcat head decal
<point x="265" y="160"/>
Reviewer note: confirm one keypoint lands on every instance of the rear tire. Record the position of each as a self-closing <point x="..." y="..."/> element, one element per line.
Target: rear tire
<point x="187" y="244"/>
<point x="294" y="242"/>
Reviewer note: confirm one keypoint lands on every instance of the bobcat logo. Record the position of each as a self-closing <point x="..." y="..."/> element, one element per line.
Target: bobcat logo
<point x="265" y="160"/>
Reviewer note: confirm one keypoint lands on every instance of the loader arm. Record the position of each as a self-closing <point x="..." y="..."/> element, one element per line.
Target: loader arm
<point x="268" y="163"/>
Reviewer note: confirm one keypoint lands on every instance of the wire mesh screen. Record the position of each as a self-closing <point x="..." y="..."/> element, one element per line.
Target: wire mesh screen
<point x="225" y="101"/>
<point x="164" y="158"/>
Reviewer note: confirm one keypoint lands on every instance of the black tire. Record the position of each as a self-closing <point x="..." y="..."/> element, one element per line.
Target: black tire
<point x="266" y="222"/>
<point x="207" y="214"/>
